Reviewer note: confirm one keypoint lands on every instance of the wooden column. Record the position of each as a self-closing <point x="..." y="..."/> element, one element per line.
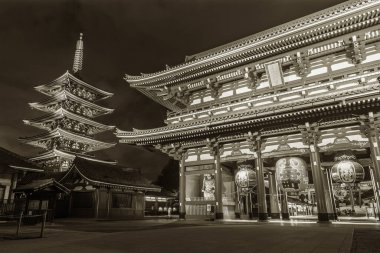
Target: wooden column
<point x="310" y="138"/>
<point x="97" y="202"/>
<point x="328" y="197"/>
<point x="109" y="202"/>
<point x="284" y="206"/>
<point x="237" y="200"/>
<point x="370" y="129"/>
<point x="263" y="213"/>
<point x="376" y="193"/>
<point x="327" y="184"/>
<point x="274" y="207"/>
<point x="323" y="215"/>
<point x="13" y="186"/>
<point x="218" y="184"/>
<point x="182" y="187"/>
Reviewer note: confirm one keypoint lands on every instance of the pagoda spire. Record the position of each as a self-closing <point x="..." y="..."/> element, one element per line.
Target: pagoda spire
<point x="78" y="56"/>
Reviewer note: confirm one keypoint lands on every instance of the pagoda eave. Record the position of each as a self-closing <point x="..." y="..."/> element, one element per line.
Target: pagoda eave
<point x="53" y="154"/>
<point x="58" y="132"/>
<point x="64" y="95"/>
<point x="61" y="113"/>
<point x="44" y="88"/>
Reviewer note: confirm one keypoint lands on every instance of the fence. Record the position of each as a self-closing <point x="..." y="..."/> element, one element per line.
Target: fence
<point x="23" y="226"/>
<point x="7" y="207"/>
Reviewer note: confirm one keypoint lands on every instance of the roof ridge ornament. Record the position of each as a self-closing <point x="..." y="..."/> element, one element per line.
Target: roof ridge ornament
<point x="78" y="56"/>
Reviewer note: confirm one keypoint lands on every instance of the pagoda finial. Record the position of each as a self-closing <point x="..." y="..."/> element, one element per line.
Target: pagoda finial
<point x="78" y="57"/>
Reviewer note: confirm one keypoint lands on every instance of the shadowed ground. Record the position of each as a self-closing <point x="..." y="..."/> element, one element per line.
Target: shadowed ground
<point x="163" y="235"/>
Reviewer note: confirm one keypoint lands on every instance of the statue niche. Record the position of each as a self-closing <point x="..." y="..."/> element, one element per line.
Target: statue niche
<point x="208" y="187"/>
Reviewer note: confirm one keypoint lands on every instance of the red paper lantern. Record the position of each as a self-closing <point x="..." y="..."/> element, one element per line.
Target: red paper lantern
<point x="346" y="170"/>
<point x="291" y="174"/>
<point x="245" y="177"/>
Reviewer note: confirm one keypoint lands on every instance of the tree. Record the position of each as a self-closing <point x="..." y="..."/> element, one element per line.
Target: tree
<point x="169" y="177"/>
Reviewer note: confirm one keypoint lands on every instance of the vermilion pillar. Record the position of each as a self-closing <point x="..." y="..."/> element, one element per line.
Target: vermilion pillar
<point x="284" y="206"/>
<point x="263" y="214"/>
<point x="275" y="210"/>
<point x="370" y="129"/>
<point x="327" y="189"/>
<point x="218" y="185"/>
<point x="323" y="214"/>
<point x="182" y="188"/>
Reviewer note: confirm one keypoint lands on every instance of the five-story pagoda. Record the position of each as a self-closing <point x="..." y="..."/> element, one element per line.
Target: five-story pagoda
<point x="68" y="119"/>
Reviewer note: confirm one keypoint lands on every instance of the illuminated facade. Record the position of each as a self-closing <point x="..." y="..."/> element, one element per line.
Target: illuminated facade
<point x="69" y="118"/>
<point x="304" y="90"/>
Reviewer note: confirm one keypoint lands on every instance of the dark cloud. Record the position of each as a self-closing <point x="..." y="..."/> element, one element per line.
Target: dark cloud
<point x="121" y="36"/>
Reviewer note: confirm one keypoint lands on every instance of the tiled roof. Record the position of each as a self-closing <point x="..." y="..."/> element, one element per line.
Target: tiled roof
<point x="37" y="185"/>
<point x="111" y="175"/>
<point x="163" y="193"/>
<point x="46" y="175"/>
<point x="8" y="159"/>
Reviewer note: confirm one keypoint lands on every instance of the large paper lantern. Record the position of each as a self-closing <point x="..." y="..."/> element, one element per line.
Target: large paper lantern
<point x="246" y="176"/>
<point x="291" y="174"/>
<point x="346" y="170"/>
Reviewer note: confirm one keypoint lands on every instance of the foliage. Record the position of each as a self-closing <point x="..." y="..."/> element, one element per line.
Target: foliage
<point x="169" y="177"/>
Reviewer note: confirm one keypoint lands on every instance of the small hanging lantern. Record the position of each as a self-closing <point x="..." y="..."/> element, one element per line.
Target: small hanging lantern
<point x="346" y="170"/>
<point x="245" y="178"/>
<point x="291" y="174"/>
<point x="340" y="192"/>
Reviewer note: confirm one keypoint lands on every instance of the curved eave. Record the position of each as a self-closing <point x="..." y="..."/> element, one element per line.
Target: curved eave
<point x="59" y="81"/>
<point x="282" y="32"/>
<point x="52" y="154"/>
<point x="98" y="160"/>
<point x="63" y="95"/>
<point x="58" y="132"/>
<point x="125" y="186"/>
<point x="60" y="113"/>
<point x="71" y="156"/>
<point x="43" y="87"/>
<point x="159" y="100"/>
<point x="154" y="136"/>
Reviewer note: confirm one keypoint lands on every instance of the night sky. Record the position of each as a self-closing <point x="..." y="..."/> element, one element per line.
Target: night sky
<point x="37" y="43"/>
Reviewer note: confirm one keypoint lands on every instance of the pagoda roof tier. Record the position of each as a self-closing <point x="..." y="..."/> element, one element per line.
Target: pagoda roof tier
<point x="250" y="118"/>
<point x="54" y="153"/>
<point x="37" y="140"/>
<point x="62" y="113"/>
<point x="342" y="19"/>
<point x="66" y="95"/>
<point x="55" y="86"/>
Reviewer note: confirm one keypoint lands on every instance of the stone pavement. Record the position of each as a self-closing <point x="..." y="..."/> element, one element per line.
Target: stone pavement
<point x="164" y="235"/>
<point x="365" y="240"/>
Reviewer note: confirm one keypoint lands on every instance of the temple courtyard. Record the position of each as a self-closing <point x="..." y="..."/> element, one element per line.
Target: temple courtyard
<point x="172" y="235"/>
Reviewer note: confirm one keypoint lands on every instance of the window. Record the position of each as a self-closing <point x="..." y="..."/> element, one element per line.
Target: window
<point x="121" y="200"/>
<point x="34" y="205"/>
